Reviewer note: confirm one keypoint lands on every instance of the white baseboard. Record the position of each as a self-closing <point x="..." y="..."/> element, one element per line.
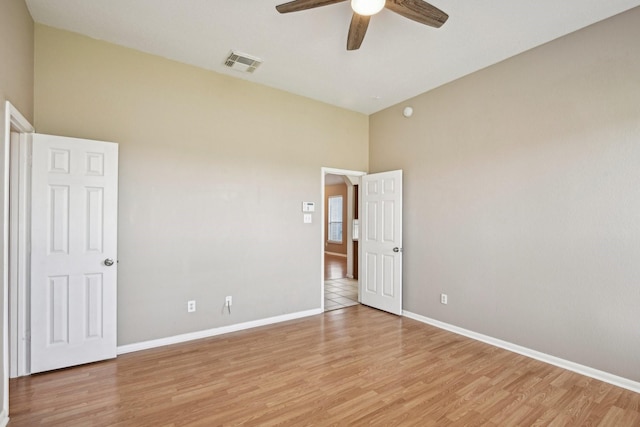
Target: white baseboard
<point x="4" y="419"/>
<point x="543" y="357"/>
<point x="335" y="254"/>
<point x="145" y="345"/>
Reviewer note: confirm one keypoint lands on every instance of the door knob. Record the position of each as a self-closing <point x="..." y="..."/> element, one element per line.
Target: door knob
<point x="397" y="249"/>
<point x="108" y="262"/>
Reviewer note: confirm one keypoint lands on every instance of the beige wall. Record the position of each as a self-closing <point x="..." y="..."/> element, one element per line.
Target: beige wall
<point x="16" y="57"/>
<point x="522" y="197"/>
<point x="16" y="86"/>
<point x="213" y="172"/>
<point x="329" y="191"/>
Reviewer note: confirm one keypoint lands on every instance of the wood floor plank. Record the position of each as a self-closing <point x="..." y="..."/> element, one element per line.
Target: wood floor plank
<point x="353" y="366"/>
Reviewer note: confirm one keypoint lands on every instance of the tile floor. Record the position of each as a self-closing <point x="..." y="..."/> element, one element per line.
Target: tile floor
<point x="340" y="293"/>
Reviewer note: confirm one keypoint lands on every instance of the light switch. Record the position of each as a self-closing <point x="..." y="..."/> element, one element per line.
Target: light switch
<point x="307" y="218"/>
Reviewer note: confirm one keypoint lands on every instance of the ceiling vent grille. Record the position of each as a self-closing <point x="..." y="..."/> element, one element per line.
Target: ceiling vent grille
<point x="242" y="62"/>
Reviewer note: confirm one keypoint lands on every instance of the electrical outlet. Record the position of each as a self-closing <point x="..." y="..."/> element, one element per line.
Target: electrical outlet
<point x="191" y="306"/>
<point x="444" y="299"/>
<point x="228" y="301"/>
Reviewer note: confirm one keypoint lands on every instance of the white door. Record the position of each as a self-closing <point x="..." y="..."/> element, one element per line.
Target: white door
<point x="74" y="185"/>
<point x="381" y="241"/>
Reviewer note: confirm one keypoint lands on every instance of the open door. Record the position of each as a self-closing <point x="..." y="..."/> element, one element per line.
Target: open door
<point x="381" y="241"/>
<point x="74" y="196"/>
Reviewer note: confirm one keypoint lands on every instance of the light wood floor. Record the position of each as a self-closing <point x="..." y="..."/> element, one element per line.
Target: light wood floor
<point x="354" y="366"/>
<point x="335" y="267"/>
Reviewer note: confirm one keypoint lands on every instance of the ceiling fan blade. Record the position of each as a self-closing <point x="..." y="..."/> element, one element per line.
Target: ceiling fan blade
<point x="297" y="5"/>
<point x="419" y="11"/>
<point x="357" y="30"/>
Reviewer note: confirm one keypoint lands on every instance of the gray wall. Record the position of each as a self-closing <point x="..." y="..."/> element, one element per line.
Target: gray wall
<point x="522" y="197"/>
<point x="213" y="173"/>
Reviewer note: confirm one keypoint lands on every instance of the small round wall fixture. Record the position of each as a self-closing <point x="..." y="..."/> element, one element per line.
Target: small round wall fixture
<point x="407" y="112"/>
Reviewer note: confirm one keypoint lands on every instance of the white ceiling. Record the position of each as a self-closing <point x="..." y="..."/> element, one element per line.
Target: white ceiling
<point x="305" y="52"/>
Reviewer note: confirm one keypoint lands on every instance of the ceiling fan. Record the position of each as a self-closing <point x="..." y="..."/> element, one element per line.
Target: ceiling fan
<point x="417" y="10"/>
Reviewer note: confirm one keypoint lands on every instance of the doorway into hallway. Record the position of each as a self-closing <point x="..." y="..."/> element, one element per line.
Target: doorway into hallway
<point x="340" y="284"/>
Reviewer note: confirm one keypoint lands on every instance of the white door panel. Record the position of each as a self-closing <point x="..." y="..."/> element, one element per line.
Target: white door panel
<point x="73" y="231"/>
<point x="381" y="241"/>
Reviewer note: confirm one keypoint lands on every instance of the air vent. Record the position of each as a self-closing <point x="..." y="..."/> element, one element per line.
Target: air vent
<point x="242" y="62"/>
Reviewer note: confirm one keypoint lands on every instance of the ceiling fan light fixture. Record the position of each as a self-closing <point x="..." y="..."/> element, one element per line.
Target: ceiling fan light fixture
<point x="367" y="7"/>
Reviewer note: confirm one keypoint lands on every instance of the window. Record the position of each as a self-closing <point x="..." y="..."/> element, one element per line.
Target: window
<point x="335" y="219"/>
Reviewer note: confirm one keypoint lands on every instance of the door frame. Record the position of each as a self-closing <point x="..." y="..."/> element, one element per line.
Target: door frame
<point x="14" y="122"/>
<point x="19" y="255"/>
<point x="324" y="171"/>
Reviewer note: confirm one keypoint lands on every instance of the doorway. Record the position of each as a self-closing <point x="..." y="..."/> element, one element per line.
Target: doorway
<point x="340" y="284"/>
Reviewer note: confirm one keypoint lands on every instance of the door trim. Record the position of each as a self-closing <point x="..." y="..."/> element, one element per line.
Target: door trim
<point x="13" y="121"/>
<point x="19" y="255"/>
<point x="324" y="171"/>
